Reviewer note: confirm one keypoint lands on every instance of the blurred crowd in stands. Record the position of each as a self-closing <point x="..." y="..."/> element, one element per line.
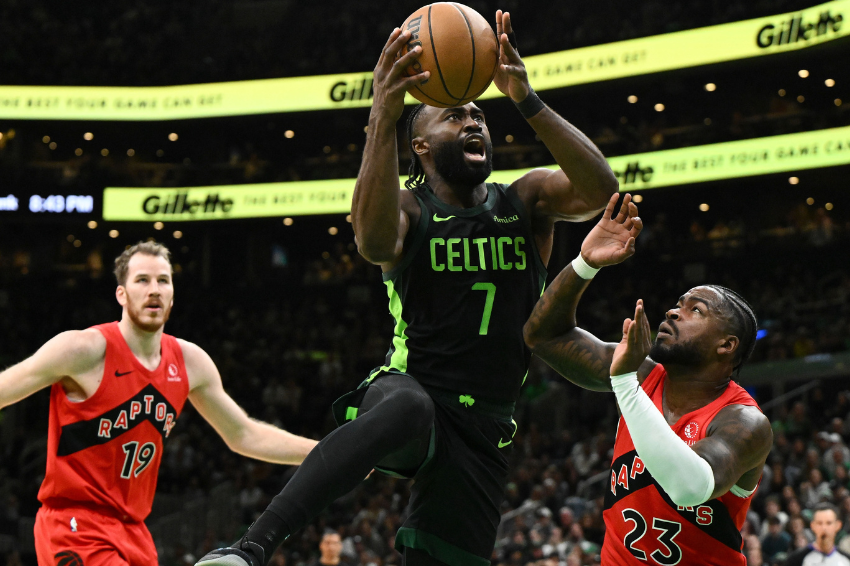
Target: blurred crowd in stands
<point x="288" y="345"/>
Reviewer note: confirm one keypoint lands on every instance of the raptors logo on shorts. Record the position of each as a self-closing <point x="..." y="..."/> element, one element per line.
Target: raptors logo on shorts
<point x="68" y="558"/>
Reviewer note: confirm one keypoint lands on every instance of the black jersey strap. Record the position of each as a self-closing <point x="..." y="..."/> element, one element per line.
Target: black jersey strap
<point x="415" y="242"/>
<point x="513" y="198"/>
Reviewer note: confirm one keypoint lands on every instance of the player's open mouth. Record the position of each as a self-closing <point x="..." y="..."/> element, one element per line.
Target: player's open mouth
<point x="664" y="330"/>
<point x="473" y="148"/>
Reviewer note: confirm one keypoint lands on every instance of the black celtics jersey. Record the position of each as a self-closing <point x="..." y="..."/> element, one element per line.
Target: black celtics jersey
<point x="461" y="295"/>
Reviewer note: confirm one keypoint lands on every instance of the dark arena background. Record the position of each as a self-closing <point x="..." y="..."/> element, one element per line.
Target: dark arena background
<point x="269" y="282"/>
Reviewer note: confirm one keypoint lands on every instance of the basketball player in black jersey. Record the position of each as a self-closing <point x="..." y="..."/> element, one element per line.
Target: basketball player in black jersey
<point x="464" y="264"/>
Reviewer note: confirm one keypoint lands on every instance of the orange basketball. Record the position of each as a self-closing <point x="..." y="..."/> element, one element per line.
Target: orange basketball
<point x="459" y="48"/>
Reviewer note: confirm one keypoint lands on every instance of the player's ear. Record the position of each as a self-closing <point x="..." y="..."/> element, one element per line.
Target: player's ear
<point x="121" y="295"/>
<point x="728" y="345"/>
<point x="420" y="146"/>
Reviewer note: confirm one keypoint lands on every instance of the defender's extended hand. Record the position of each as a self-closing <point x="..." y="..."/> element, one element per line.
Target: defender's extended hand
<point x="612" y="240"/>
<point x="389" y="78"/>
<point x="632" y="350"/>
<point x="511" y="77"/>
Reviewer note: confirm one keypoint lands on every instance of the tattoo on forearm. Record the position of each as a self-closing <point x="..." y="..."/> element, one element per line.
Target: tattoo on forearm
<point x="580" y="358"/>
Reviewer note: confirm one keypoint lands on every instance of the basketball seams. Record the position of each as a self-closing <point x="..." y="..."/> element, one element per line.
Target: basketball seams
<point x="472" y="40"/>
<point x="436" y="61"/>
<point x="428" y="96"/>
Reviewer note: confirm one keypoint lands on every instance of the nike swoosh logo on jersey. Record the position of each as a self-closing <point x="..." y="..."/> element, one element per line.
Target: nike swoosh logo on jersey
<point x="505" y="444"/>
<point x="440" y="219"/>
<point x="122" y="374"/>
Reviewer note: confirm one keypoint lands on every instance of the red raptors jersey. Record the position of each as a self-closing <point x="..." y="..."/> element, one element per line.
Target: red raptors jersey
<point x="644" y="526"/>
<point x="104" y="453"/>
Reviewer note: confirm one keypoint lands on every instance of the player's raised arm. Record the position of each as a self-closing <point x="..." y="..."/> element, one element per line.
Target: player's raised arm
<point x="580" y="189"/>
<point x="65" y="356"/>
<point x="241" y="433"/>
<point x="376" y="215"/>
<point x="551" y="330"/>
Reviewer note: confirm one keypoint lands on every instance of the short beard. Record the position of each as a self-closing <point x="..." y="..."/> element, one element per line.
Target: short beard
<point x="452" y="167"/>
<point x="136" y="318"/>
<point x="681" y="354"/>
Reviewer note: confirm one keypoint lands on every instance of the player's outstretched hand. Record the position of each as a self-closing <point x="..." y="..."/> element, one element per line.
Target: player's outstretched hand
<point x="390" y="80"/>
<point x="632" y="350"/>
<point x="612" y="240"/>
<point x="511" y="77"/>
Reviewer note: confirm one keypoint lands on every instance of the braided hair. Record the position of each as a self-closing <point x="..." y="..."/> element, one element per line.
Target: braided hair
<point x="415" y="173"/>
<point x="744" y="322"/>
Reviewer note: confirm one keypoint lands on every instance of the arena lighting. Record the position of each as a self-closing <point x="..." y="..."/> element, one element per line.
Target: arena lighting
<point x="659" y="107"/>
<point x="710" y="87"/>
<point x="172" y="136"/>
<point x="803" y="73"/>
<point x="45" y="139"/>
<point x="288" y="222"/>
<point x="289" y="134"/>
<point x="131" y="152"/>
<point x="333" y="231"/>
<point x="113" y="233"/>
<point x="77" y="243"/>
<point x="704" y="207"/>
<point x="78" y="152"/>
<point x="70" y="238"/>
<point x="789" y="153"/>
<point x="88" y="136"/>
<point x="52" y="145"/>
<point x="92" y="224"/>
<point x="632" y="99"/>
<point x="810" y="201"/>
<point x="509" y="138"/>
<point x="828" y="206"/>
<point x="158" y="225"/>
<point x="637" y="198"/>
<point x="829" y="82"/>
<point x="801" y="98"/>
<point x="104" y="152"/>
<point x="793" y="180"/>
<point x="177" y="234"/>
<point x="348" y="218"/>
<point x="782" y="92"/>
<point x="679" y="50"/>
<point x="326" y="149"/>
<point x="707" y="121"/>
<point x="837" y="102"/>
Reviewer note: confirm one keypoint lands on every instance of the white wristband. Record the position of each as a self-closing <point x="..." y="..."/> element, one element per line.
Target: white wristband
<point x="582" y="269"/>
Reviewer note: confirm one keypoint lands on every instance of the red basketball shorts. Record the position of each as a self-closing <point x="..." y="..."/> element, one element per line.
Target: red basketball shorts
<point x="82" y="537"/>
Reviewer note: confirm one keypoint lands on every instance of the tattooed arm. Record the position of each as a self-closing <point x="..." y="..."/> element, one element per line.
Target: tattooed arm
<point x="736" y="446"/>
<point x="551" y="331"/>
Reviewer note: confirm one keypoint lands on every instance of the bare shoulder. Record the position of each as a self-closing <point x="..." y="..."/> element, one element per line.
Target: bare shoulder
<point x="528" y="186"/>
<point x="199" y="364"/>
<point x="83" y="349"/>
<point x="193" y="354"/>
<point x="745" y="424"/>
